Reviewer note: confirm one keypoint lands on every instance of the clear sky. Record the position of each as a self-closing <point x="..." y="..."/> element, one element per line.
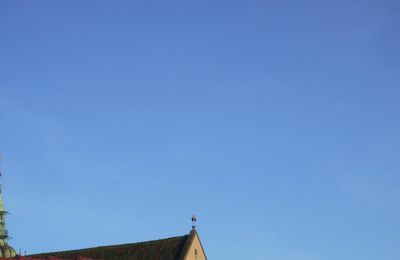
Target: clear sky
<point x="276" y="122"/>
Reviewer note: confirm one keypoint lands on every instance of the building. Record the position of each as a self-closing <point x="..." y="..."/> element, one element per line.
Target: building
<point x="186" y="247"/>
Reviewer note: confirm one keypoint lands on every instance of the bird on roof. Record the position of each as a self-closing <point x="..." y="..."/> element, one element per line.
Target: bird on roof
<point x="194" y="220"/>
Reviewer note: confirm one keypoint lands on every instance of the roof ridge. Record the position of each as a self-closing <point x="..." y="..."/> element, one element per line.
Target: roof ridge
<point x="111" y="246"/>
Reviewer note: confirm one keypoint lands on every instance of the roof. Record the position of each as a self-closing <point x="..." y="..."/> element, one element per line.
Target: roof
<point x="163" y="249"/>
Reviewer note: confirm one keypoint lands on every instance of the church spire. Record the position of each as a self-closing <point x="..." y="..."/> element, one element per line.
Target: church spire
<point x="3" y="213"/>
<point x="5" y="250"/>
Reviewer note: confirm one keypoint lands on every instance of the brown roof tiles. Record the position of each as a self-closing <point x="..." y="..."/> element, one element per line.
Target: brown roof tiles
<point x="164" y="249"/>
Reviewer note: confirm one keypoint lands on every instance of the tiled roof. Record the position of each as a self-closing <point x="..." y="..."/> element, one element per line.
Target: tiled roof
<point x="164" y="249"/>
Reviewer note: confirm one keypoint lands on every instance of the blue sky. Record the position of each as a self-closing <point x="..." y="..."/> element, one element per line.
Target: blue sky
<point x="276" y="122"/>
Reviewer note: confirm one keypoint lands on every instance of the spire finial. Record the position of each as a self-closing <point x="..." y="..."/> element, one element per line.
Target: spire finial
<point x="194" y="220"/>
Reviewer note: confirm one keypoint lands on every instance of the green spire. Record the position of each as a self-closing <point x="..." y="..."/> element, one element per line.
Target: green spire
<point x="1" y="197"/>
<point x="5" y="250"/>
<point x="3" y="213"/>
